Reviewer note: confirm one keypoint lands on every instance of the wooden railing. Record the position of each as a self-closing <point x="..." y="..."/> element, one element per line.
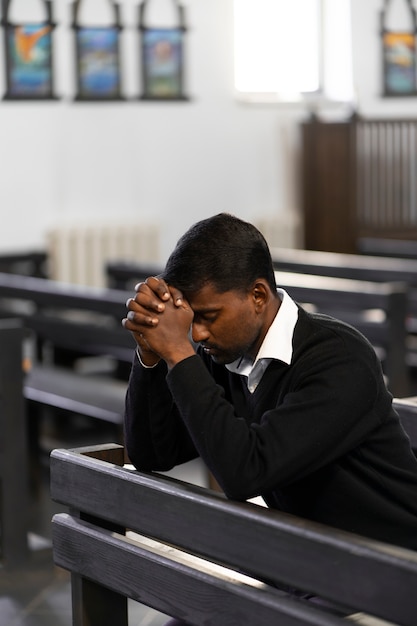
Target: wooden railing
<point x="386" y="181"/>
<point x="359" y="180"/>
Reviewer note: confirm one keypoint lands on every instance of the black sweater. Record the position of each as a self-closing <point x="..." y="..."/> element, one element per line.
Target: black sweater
<point x="318" y="438"/>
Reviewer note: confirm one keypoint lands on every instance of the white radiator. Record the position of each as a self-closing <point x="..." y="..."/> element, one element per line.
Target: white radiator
<point x="78" y="254"/>
<point x="281" y="231"/>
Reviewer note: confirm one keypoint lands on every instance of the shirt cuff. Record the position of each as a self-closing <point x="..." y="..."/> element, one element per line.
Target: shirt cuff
<point x="148" y="367"/>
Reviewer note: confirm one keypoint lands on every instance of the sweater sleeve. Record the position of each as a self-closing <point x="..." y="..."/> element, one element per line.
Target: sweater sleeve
<point x="155" y="435"/>
<point x="330" y="406"/>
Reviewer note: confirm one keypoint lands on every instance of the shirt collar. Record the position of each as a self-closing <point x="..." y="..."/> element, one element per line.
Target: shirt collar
<point x="277" y="343"/>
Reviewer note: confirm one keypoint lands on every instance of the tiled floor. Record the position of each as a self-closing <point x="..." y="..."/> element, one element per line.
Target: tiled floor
<point x="39" y="593"/>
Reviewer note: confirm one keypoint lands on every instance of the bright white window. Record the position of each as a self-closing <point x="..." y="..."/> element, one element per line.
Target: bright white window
<point x="293" y="49"/>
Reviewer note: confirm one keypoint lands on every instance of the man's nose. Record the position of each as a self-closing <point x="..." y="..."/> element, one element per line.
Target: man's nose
<point x="199" y="332"/>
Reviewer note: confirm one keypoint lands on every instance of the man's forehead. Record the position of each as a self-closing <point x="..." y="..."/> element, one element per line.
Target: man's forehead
<point x="206" y="295"/>
<point x="209" y="298"/>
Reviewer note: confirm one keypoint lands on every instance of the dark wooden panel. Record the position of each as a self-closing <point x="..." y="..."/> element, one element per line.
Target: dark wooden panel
<point x="14" y="497"/>
<point x="121" y="276"/>
<point x="349" y="300"/>
<point x="53" y="294"/>
<point x="94" y="334"/>
<point x="327" y="186"/>
<point x="400" y="248"/>
<point x="168" y="510"/>
<point x="163" y="580"/>
<point x="350" y="266"/>
<point x="29" y="263"/>
<point x="359" y="180"/>
<point x="93" y="605"/>
<point x="62" y="388"/>
<point x="386" y="187"/>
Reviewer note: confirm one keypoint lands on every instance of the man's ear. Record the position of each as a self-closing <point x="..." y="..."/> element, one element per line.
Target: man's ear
<point x="261" y="294"/>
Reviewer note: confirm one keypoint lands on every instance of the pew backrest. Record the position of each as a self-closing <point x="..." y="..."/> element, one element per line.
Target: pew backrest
<point x="74" y="321"/>
<point x="14" y="496"/>
<point x="379" y="246"/>
<point x="356" y="302"/>
<point x="28" y="263"/>
<point x="69" y="316"/>
<point x="349" y="299"/>
<point x="197" y="556"/>
<point x="125" y="274"/>
<point x="341" y="265"/>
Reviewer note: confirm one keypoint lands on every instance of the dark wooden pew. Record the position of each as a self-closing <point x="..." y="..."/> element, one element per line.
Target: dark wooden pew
<point x="14" y="503"/>
<point x="340" y="265"/>
<point x="125" y="275"/>
<point x="43" y="294"/>
<point x="28" y="263"/>
<point x="192" y="554"/>
<point x="351" y="266"/>
<point x="358" y="267"/>
<point x="350" y="300"/>
<point x="81" y="320"/>
<point x="375" y="246"/>
<point x="361" y="304"/>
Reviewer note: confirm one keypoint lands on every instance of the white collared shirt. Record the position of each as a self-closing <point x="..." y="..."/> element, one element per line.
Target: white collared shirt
<point x="277" y="344"/>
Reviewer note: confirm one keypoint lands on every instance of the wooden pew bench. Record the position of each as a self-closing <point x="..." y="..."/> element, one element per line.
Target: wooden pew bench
<point x="376" y="246"/>
<point x="192" y="554"/>
<point x="28" y="263"/>
<point x="358" y="267"/>
<point x="341" y="265"/>
<point x="81" y="322"/>
<point x="14" y="503"/>
<point x="353" y="266"/>
<point x="377" y="310"/>
<point x="125" y="274"/>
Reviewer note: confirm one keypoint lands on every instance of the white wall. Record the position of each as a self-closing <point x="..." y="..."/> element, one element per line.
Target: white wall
<point x="169" y="162"/>
<point x="172" y="162"/>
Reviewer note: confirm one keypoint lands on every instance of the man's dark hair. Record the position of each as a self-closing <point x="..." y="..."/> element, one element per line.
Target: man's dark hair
<point x="222" y="250"/>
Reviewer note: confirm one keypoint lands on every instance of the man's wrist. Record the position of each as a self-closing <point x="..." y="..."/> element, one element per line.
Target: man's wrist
<point x="143" y="362"/>
<point x="179" y="355"/>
